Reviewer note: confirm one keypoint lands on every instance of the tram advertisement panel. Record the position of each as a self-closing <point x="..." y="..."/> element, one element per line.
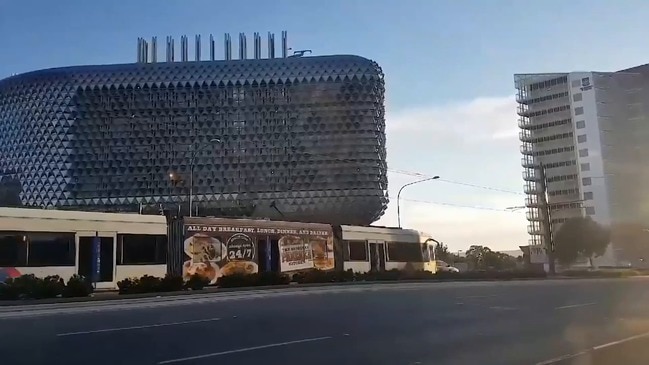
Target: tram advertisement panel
<point x="214" y="247"/>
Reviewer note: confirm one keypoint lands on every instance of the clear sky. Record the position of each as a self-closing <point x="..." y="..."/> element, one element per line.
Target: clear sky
<point x="449" y="68"/>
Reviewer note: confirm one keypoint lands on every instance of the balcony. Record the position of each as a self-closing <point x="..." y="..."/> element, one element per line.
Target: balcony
<point x="531" y="188"/>
<point x="524" y="123"/>
<point x="531" y="175"/>
<point x="532" y="201"/>
<point x="523" y="110"/>
<point x="527" y="149"/>
<point x="522" y="97"/>
<point x="535" y="229"/>
<point x="534" y="215"/>
<point x="529" y="162"/>
<point x="525" y="135"/>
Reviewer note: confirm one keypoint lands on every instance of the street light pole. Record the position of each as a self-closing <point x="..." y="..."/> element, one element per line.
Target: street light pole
<point x="399" y="196"/>
<point x="194" y="151"/>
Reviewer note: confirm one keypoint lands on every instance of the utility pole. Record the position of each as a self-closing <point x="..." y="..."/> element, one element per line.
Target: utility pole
<point x="547" y="220"/>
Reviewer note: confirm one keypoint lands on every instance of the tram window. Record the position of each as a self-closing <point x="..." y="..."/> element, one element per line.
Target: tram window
<point x="12" y="249"/>
<point x="357" y="250"/>
<point x="51" y="249"/>
<point x="404" y="252"/>
<point x="141" y="249"/>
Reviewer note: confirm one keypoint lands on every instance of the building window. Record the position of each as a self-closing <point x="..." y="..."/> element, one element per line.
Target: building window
<point x="404" y="252"/>
<point x="579" y="110"/>
<point x="581" y="124"/>
<point x="13" y="248"/>
<point x="577" y="97"/>
<point x="141" y="249"/>
<point x="581" y="138"/>
<point x="51" y="249"/>
<point x="583" y="152"/>
<point x="357" y="250"/>
<point x="586" y="181"/>
<point x="590" y="210"/>
<point x="585" y="166"/>
<point x="575" y="83"/>
<point x="588" y="195"/>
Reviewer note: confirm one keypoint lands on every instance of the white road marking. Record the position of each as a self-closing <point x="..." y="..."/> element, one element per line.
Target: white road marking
<point x="561" y="358"/>
<point x="621" y="341"/>
<point x="504" y="308"/>
<point x="136" y="327"/>
<point x="245" y="349"/>
<point x="595" y="348"/>
<point x="575" y="306"/>
<point x="476" y="296"/>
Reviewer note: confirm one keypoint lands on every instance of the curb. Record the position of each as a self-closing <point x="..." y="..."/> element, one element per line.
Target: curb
<point x="105" y="296"/>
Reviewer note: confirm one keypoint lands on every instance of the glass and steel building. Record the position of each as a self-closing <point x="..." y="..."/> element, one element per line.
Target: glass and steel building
<point x="588" y="131"/>
<point x="294" y="137"/>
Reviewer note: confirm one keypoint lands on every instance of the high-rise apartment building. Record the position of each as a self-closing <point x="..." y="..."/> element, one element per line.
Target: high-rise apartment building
<point x="590" y="132"/>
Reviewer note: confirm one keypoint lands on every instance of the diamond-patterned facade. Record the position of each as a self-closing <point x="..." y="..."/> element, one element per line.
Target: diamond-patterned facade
<point x="302" y="138"/>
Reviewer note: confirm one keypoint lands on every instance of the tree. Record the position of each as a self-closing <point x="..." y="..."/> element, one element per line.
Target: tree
<point x="441" y="252"/>
<point x="483" y="258"/>
<point x="580" y="237"/>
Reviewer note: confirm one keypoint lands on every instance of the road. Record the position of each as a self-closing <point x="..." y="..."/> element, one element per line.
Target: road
<point x="519" y="322"/>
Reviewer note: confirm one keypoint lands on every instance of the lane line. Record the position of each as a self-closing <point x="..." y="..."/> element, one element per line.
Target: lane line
<point x="562" y="358"/>
<point x="575" y="306"/>
<point x="245" y="349"/>
<point x="613" y="343"/>
<point x="592" y="349"/>
<point x="136" y="327"/>
<point x="476" y="296"/>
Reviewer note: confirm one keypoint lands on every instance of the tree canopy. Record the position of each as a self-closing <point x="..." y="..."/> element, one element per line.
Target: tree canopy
<point x="580" y="237"/>
<point x="483" y="258"/>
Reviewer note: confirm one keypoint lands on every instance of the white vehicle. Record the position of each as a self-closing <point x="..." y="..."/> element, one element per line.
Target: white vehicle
<point x="445" y="267"/>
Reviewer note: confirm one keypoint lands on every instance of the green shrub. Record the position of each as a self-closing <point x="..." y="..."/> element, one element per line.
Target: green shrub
<point x="171" y="283"/>
<point x="9" y="291"/>
<point x="318" y="276"/>
<point x="196" y="282"/>
<point x="31" y="287"/>
<point x="50" y="287"/>
<point x="150" y="284"/>
<point x="77" y="286"/>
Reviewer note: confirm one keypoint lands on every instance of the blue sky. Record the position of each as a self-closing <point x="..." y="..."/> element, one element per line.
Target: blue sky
<point x="449" y="69"/>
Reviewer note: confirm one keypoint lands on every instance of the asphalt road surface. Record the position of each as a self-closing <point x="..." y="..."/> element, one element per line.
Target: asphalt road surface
<point x="520" y="322"/>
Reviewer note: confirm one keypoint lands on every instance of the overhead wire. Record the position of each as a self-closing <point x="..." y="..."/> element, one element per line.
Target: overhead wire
<point x="424" y="176"/>
<point x="417" y="174"/>
<point x="460" y="205"/>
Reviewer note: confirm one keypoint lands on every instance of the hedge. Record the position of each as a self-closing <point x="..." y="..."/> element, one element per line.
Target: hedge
<point x="31" y="287"/>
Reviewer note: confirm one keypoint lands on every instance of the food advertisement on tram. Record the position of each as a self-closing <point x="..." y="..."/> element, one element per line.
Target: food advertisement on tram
<point x="215" y="247"/>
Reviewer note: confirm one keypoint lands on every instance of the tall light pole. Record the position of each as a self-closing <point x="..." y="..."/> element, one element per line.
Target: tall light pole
<point x="194" y="151"/>
<point x="399" y="195"/>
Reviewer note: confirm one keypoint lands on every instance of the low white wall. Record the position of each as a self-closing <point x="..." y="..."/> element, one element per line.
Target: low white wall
<point x="135" y="271"/>
<point x="65" y="272"/>
<point x="357" y="266"/>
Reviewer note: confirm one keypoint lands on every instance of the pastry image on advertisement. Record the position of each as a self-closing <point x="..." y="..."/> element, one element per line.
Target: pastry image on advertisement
<point x="323" y="252"/>
<point x="204" y="253"/>
<point x="203" y="248"/>
<point x="239" y="267"/>
<point x="295" y="254"/>
<point x="207" y="270"/>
